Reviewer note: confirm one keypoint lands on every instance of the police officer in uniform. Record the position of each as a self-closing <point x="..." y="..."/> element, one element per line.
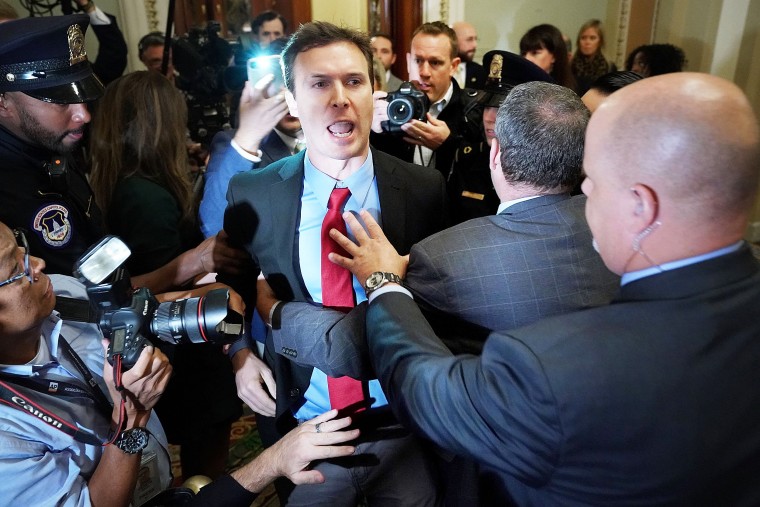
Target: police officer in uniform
<point x="469" y="183"/>
<point x="45" y="83"/>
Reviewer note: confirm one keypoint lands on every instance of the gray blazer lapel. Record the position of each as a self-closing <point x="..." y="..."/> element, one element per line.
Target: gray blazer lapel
<point x="285" y="205"/>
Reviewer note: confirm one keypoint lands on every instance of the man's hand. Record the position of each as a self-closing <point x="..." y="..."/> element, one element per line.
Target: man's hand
<point x="431" y="134"/>
<point x="291" y="455"/>
<point x="90" y="6"/>
<point x="143" y="384"/>
<point x="380" y="113"/>
<point x="258" y="113"/>
<point x="372" y="252"/>
<point x="265" y="298"/>
<point x="216" y="254"/>
<point x="312" y="440"/>
<point x="250" y="374"/>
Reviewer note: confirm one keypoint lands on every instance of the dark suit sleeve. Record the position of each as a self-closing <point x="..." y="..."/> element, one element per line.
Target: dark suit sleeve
<point x="112" y="51"/>
<point x="240" y="223"/>
<point x="335" y="343"/>
<point x="497" y="408"/>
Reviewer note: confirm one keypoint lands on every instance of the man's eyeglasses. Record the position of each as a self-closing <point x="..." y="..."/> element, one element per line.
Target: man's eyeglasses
<point x="21" y="241"/>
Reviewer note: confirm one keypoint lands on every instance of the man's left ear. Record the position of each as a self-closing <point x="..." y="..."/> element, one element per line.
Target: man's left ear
<point x="291" y="100"/>
<point x="454" y="64"/>
<point x="644" y="203"/>
<point x="494" y="156"/>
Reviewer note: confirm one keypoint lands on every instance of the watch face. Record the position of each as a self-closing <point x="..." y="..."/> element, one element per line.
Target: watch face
<point x="374" y="280"/>
<point x="132" y="441"/>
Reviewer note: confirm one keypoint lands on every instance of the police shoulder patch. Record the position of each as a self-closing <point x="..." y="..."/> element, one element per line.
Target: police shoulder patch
<point x="53" y="225"/>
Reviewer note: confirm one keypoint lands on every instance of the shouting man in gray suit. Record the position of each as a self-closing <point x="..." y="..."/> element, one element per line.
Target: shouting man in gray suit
<point x="651" y="400"/>
<point x="281" y="216"/>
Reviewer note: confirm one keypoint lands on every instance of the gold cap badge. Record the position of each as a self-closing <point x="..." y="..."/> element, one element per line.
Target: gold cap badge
<point x="494" y="72"/>
<point x="77" y="52"/>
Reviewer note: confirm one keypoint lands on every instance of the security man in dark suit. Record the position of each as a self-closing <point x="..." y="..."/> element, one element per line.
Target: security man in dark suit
<point x="652" y="399"/>
<point x="471" y="191"/>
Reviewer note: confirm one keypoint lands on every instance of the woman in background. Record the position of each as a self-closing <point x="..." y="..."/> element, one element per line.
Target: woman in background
<point x="544" y="46"/>
<point x="140" y="177"/>
<point x="655" y="59"/>
<point x="589" y="63"/>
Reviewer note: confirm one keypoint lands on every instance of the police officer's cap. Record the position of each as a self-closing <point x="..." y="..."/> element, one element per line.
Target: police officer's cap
<point x="505" y="71"/>
<point x="45" y="58"/>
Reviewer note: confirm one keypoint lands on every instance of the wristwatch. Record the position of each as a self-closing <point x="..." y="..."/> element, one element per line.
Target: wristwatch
<point x="132" y="441"/>
<point x="378" y="279"/>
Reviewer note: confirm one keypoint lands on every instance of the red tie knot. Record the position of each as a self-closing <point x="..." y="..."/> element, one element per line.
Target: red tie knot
<point x="338" y="198"/>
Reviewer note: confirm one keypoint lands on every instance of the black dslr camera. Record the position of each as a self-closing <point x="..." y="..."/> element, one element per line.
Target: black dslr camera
<point x="128" y="318"/>
<point x="404" y="105"/>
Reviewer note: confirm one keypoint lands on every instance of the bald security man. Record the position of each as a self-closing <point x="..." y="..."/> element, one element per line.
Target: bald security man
<point x="652" y="400"/>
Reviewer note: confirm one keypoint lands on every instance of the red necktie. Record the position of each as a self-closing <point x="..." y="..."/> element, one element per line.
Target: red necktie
<point x="338" y="293"/>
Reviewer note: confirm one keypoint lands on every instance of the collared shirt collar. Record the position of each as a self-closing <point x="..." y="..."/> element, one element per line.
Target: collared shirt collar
<point x="643" y="273"/>
<point x="460" y="75"/>
<point x="51" y="330"/>
<point x="437" y="107"/>
<point x="289" y="141"/>
<point x="507" y="204"/>
<point x="358" y="183"/>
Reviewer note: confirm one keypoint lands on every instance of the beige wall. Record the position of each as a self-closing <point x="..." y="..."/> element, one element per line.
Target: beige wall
<point x="501" y="24"/>
<point x="351" y="13"/>
<point x="691" y="25"/>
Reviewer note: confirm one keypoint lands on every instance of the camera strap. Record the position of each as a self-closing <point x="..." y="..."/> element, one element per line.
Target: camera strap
<point x="14" y="398"/>
<point x="11" y="396"/>
<point x="78" y="310"/>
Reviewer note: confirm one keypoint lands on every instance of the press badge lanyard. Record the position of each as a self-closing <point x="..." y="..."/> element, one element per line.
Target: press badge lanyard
<point x="14" y="398"/>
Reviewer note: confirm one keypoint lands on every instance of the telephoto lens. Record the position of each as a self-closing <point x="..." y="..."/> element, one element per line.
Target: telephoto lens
<point x="198" y="320"/>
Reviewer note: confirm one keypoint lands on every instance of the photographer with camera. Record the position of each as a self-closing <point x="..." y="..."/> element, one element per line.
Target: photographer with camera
<point x="430" y="135"/>
<point x="61" y="440"/>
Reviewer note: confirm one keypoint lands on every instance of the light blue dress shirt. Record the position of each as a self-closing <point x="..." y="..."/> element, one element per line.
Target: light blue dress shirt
<point x="41" y="465"/>
<point x="316" y="192"/>
<point x="643" y="273"/>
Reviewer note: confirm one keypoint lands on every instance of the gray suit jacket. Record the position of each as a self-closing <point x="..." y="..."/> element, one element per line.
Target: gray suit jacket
<point x="393" y="84"/>
<point x="533" y="261"/>
<point x="651" y="400"/>
<point x="262" y="217"/>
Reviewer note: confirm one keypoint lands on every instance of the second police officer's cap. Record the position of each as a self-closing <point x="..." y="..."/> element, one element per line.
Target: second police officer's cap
<point x="45" y="58"/>
<point x="505" y="71"/>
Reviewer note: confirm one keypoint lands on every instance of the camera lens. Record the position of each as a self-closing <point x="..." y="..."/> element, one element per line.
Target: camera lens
<point x="400" y="110"/>
<point x="198" y="320"/>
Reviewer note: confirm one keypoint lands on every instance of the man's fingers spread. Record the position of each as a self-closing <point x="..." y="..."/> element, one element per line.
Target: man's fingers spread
<point x="375" y="231"/>
<point x="344" y="241"/>
<point x="356" y="227"/>
<point x="341" y="261"/>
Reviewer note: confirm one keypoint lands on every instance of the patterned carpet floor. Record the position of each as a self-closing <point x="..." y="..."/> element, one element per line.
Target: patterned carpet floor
<point x="245" y="445"/>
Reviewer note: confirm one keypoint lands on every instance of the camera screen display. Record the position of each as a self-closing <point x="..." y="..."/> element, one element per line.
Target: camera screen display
<point x="260" y="66"/>
<point x="117" y="340"/>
